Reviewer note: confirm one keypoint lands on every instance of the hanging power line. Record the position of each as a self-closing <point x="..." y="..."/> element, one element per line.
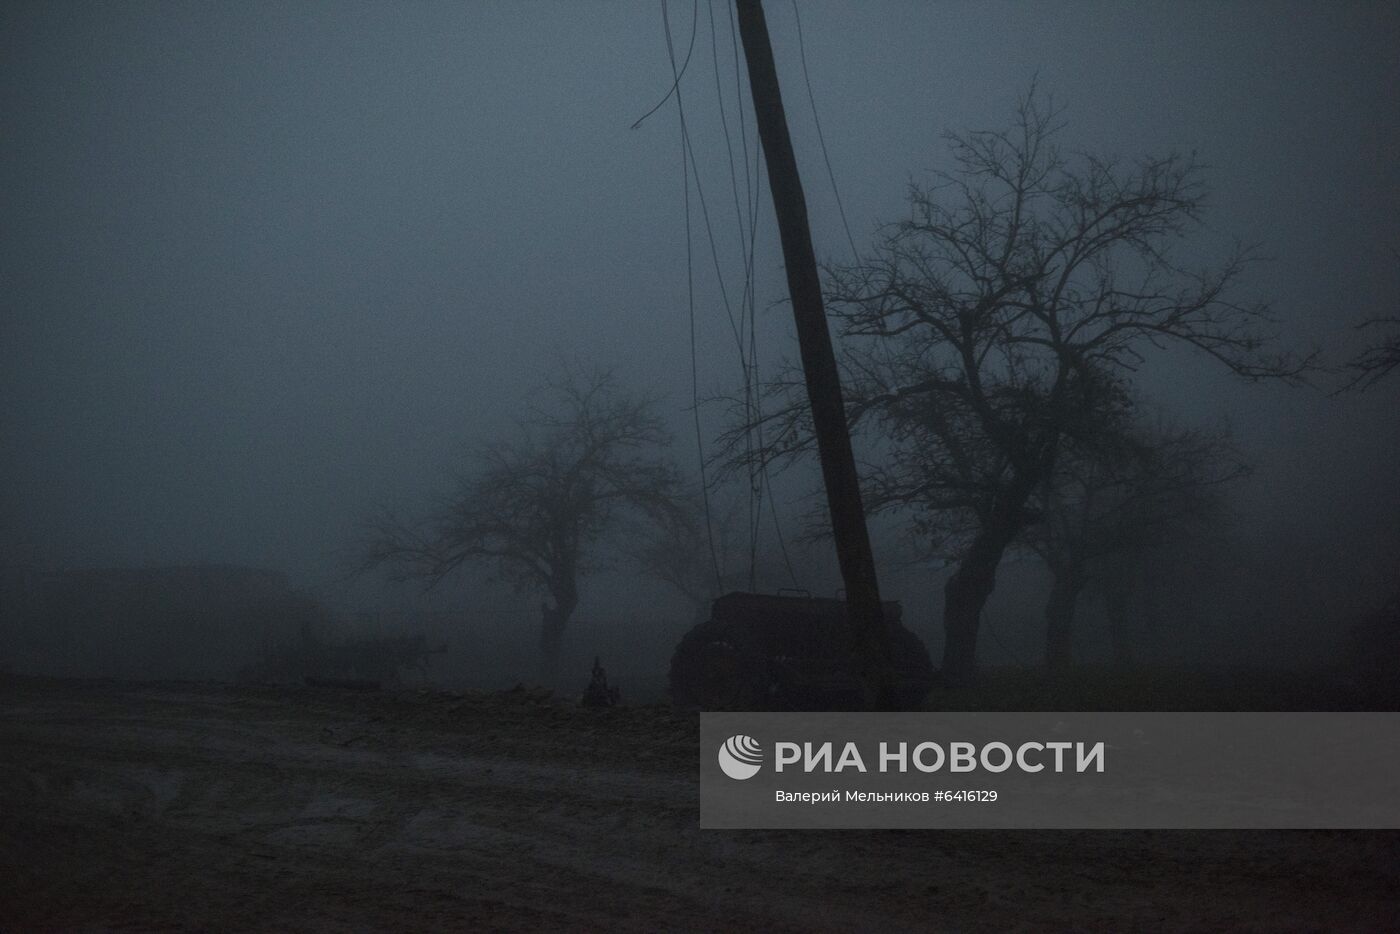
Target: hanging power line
<point x="675" y="73"/>
<point x="744" y="329"/>
<point x="690" y="288"/>
<point x="747" y="360"/>
<point x="821" y="137"/>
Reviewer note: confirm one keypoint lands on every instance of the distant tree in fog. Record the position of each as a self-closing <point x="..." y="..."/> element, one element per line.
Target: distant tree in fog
<point x="1111" y="503"/>
<point x="1377" y="361"/>
<point x="537" y="507"/>
<point x="703" y="549"/>
<point x="1004" y="319"/>
<point x="687" y="551"/>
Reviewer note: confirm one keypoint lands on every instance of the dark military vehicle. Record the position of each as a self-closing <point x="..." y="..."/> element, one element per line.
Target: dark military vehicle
<point x="786" y="652"/>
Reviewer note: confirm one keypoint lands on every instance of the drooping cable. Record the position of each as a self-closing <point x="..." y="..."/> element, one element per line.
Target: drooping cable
<point x="690" y="292"/>
<point x="677" y="74"/>
<point x="821" y="137"/>
<point x="747" y="357"/>
<point x="759" y="480"/>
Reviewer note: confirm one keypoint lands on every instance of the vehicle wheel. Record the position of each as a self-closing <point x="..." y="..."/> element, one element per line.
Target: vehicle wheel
<point x="715" y="669"/>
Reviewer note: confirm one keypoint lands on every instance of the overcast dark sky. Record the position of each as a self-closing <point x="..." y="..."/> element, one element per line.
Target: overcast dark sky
<point x="266" y="265"/>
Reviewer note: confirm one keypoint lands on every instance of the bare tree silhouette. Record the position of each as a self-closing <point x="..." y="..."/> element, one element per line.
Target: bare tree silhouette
<point x="1375" y="362"/>
<point x="538" y="506"/>
<point x="1111" y="503"/>
<point x="1379" y="358"/>
<point x="1002" y="319"/>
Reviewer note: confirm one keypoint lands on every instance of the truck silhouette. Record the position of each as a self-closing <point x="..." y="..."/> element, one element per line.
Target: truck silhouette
<point x="789" y="651"/>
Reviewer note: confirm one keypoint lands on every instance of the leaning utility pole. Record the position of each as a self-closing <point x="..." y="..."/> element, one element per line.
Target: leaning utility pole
<point x="871" y="642"/>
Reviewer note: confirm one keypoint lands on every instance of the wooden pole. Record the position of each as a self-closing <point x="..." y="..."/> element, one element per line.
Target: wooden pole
<point x="871" y="642"/>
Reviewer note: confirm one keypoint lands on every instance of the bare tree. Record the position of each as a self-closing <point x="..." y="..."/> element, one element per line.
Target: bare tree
<point x="538" y="506"/>
<point x="1114" y="501"/>
<point x="1378" y="359"/>
<point x="1001" y="320"/>
<point x="706" y="547"/>
<point x="690" y="551"/>
<point x="1374" y="363"/>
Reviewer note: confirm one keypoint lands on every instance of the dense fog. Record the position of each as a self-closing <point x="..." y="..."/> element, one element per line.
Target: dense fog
<point x="276" y="273"/>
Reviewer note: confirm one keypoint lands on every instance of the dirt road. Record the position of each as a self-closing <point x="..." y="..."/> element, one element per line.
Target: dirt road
<point x="175" y="807"/>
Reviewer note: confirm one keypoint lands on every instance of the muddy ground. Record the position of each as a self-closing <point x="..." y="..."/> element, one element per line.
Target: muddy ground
<point x="192" y="806"/>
